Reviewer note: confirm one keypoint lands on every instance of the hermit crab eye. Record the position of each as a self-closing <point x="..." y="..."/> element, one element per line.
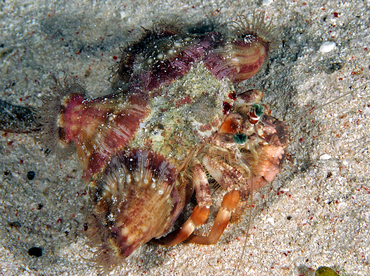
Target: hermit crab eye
<point x="239" y="138"/>
<point x="257" y="109"/>
<point x="255" y="113"/>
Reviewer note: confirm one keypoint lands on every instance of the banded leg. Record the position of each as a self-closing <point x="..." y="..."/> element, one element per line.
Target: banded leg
<point x="229" y="203"/>
<point x="200" y="212"/>
<point x="227" y="177"/>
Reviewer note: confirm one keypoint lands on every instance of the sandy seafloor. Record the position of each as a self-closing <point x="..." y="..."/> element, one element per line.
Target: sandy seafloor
<point x="315" y="213"/>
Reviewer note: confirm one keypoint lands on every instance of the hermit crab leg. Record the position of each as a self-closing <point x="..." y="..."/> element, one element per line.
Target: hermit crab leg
<point x="229" y="203"/>
<point x="200" y="212"/>
<point x="227" y="177"/>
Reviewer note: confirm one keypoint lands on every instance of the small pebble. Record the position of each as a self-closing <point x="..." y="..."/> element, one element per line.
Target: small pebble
<point x="267" y="2"/>
<point x="35" y="251"/>
<point x="271" y="220"/>
<point x="31" y="175"/>
<point x="366" y="110"/>
<point x="325" y="157"/>
<point x="327" y="46"/>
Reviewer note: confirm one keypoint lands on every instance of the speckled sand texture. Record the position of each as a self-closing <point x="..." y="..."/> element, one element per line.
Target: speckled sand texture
<point x="315" y="213"/>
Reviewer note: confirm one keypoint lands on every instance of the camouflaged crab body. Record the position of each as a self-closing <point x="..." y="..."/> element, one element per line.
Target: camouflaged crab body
<point x="146" y="149"/>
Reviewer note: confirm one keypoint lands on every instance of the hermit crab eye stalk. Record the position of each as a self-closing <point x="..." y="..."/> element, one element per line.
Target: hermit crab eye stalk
<point x="255" y="113"/>
<point x="257" y="109"/>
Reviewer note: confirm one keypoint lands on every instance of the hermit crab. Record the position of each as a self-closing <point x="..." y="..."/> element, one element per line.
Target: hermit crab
<point x="174" y="123"/>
